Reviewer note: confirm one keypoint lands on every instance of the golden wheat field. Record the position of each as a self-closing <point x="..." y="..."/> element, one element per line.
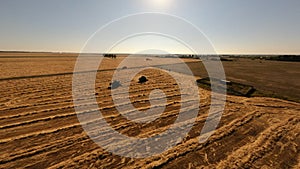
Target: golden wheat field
<point x="39" y="127"/>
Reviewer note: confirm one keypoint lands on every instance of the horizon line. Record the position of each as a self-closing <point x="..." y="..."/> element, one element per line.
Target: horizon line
<point x="128" y="53"/>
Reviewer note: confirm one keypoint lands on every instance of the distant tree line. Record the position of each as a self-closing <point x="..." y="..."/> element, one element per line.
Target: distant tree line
<point x="290" y="58"/>
<point x="110" y="55"/>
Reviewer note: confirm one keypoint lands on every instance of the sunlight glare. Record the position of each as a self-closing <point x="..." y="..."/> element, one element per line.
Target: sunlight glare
<point x="160" y="3"/>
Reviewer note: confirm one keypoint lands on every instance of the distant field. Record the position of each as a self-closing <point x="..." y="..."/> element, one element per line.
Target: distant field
<point x="274" y="78"/>
<point x="4" y="54"/>
<point x="39" y="127"/>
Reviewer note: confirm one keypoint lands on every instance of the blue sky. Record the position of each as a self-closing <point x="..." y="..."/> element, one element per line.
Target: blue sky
<point x="233" y="26"/>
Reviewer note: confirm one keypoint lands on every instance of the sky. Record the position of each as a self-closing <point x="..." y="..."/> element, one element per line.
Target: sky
<point x="231" y="26"/>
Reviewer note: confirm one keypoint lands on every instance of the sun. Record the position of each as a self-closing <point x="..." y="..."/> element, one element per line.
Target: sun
<point x="160" y="3"/>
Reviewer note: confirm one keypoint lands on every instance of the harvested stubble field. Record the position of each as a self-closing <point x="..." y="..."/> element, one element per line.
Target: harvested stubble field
<point x="39" y="127"/>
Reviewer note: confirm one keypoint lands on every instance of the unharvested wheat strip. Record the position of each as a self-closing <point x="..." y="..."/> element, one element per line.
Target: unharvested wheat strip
<point x="251" y="152"/>
<point x="55" y="149"/>
<point x="171" y="113"/>
<point x="109" y="99"/>
<point x="37" y="127"/>
<point x="270" y="102"/>
<point x="127" y="149"/>
<point x="200" y="119"/>
<point x="36" y="89"/>
<point x="235" y="122"/>
<point x="24" y="84"/>
<point x="189" y="145"/>
<point x="43" y="148"/>
<point x="194" y="145"/>
<point x="121" y="125"/>
<point x="71" y="162"/>
<point x="125" y="125"/>
<point x="37" y="120"/>
<point x="36" y="140"/>
<point x="68" y="127"/>
<point x="55" y="83"/>
<point x="47" y="93"/>
<point x="289" y="149"/>
<point x="51" y="118"/>
<point x="16" y="129"/>
<point x="27" y="111"/>
<point x="33" y="152"/>
<point x="31" y="111"/>
<point x="68" y="151"/>
<point x="67" y="114"/>
<point x="56" y="100"/>
<point x="47" y="104"/>
<point x="29" y="103"/>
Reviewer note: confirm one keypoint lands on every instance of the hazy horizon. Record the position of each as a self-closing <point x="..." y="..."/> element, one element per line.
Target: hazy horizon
<point x="121" y="53"/>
